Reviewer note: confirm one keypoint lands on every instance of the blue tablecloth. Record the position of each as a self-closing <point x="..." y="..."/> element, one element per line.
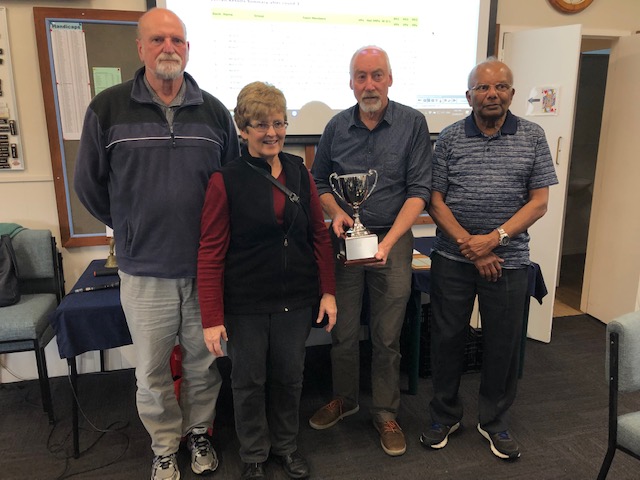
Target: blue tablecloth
<point x="90" y="321"/>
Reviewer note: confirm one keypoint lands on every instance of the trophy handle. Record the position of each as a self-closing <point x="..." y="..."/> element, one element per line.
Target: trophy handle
<point x="334" y="182"/>
<point x="375" y="182"/>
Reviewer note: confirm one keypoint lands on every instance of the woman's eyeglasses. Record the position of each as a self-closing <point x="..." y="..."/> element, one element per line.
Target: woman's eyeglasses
<point x="264" y="127"/>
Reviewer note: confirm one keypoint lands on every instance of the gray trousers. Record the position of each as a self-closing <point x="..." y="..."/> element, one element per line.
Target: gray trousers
<point x="389" y="287"/>
<point x="158" y="310"/>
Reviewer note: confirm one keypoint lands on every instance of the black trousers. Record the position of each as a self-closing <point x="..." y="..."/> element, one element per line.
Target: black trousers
<point x="267" y="364"/>
<point x="454" y="286"/>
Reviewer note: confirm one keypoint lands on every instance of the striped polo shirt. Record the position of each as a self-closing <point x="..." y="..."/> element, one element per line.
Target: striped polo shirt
<point x="485" y="180"/>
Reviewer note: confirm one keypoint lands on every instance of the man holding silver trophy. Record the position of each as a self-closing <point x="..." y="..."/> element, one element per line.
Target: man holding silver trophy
<point x="374" y="160"/>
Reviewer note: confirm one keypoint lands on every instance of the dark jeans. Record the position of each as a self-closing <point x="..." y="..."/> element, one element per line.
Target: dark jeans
<point x="454" y="286"/>
<point x="267" y="363"/>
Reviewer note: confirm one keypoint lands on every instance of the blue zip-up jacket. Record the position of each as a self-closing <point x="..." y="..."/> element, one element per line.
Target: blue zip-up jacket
<point x="147" y="180"/>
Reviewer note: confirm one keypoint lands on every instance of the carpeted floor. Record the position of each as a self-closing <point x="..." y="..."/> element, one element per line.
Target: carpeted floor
<point x="559" y="419"/>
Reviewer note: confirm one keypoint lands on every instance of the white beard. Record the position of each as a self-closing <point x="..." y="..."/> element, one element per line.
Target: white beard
<point x="168" y="69"/>
<point x="368" y="107"/>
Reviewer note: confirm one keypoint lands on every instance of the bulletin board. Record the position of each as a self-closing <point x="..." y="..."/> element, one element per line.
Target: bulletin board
<point x="80" y="52"/>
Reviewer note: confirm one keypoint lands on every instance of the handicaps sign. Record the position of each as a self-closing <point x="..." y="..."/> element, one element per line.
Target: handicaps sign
<point x="354" y="189"/>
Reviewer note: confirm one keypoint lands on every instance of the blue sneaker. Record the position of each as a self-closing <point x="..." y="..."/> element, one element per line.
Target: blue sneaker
<point x="502" y="445"/>
<point x="438" y="435"/>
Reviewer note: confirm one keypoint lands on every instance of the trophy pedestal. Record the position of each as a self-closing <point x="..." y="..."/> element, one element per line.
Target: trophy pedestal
<point x="361" y="249"/>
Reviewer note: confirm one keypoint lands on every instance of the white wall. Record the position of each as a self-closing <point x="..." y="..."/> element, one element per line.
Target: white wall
<point x="28" y="197"/>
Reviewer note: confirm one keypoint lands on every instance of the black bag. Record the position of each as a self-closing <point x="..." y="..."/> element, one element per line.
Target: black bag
<point x="9" y="291"/>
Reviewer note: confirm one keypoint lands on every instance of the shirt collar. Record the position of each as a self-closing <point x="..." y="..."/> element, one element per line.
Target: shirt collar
<point x="177" y="100"/>
<point x="509" y="127"/>
<point x="388" y="115"/>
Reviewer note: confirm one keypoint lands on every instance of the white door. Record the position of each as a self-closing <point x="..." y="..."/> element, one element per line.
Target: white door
<point x="612" y="268"/>
<point x="540" y="59"/>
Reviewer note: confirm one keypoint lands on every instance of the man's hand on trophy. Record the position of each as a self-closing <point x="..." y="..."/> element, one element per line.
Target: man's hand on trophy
<point x="381" y="255"/>
<point x="341" y="222"/>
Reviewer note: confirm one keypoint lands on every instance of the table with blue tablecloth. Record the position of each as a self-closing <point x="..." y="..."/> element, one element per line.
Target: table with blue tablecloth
<point x="93" y="320"/>
<point x="89" y="321"/>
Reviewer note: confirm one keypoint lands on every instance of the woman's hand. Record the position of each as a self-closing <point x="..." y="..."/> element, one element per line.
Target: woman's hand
<point x="212" y="336"/>
<point x="328" y="306"/>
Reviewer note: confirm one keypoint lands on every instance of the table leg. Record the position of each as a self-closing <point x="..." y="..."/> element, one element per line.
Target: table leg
<point x="73" y="375"/>
<point x="414" y="319"/>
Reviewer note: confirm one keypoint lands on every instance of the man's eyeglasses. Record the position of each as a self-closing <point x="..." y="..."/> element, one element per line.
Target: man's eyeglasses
<point x="484" y="88"/>
<point x="264" y="127"/>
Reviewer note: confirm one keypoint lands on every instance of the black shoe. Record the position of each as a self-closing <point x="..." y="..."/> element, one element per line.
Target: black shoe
<point x="253" y="471"/>
<point x="294" y="464"/>
<point x="438" y="435"/>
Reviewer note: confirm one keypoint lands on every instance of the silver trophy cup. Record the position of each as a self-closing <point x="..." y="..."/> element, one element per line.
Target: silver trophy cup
<point x="354" y="189"/>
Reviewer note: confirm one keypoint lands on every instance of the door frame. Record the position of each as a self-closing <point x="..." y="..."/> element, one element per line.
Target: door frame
<point x="587" y="34"/>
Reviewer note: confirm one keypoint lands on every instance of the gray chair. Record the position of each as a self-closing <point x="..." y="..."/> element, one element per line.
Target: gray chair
<point x="623" y="361"/>
<point x="25" y="325"/>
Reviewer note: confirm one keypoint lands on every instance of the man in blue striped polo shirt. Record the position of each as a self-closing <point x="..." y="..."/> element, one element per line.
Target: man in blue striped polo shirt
<point x="491" y="178"/>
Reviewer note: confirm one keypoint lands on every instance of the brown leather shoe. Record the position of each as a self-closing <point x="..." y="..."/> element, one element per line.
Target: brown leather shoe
<point x="391" y="437"/>
<point x="332" y="413"/>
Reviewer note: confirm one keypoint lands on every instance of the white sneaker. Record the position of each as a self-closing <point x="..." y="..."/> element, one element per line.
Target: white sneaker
<point x="165" y="467"/>
<point x="203" y="456"/>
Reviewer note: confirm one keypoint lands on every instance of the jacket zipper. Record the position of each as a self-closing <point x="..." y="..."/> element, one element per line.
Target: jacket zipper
<point x="285" y="266"/>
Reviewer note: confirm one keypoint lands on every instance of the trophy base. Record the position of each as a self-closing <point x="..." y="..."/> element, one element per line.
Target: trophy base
<point x="361" y="250"/>
<point x="362" y="262"/>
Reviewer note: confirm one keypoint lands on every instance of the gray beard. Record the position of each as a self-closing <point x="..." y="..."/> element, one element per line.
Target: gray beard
<point x="368" y="107"/>
<point x="168" y="70"/>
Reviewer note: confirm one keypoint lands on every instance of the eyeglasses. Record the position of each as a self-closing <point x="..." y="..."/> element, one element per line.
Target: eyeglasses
<point x="484" y="88"/>
<point x="264" y="127"/>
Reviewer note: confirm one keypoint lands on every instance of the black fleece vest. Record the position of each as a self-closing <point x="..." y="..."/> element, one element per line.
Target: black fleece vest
<point x="269" y="268"/>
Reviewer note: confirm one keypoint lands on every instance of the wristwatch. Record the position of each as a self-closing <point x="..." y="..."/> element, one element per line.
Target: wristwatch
<point x="504" y="237"/>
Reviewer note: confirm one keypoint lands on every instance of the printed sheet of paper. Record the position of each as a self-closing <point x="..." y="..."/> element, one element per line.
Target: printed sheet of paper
<point x="71" y="70"/>
<point x="105" y="77"/>
<point x="420" y="262"/>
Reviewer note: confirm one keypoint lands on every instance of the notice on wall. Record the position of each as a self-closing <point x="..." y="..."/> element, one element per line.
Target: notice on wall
<point x="71" y="70"/>
<point x="543" y="101"/>
<point x="105" y="77"/>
